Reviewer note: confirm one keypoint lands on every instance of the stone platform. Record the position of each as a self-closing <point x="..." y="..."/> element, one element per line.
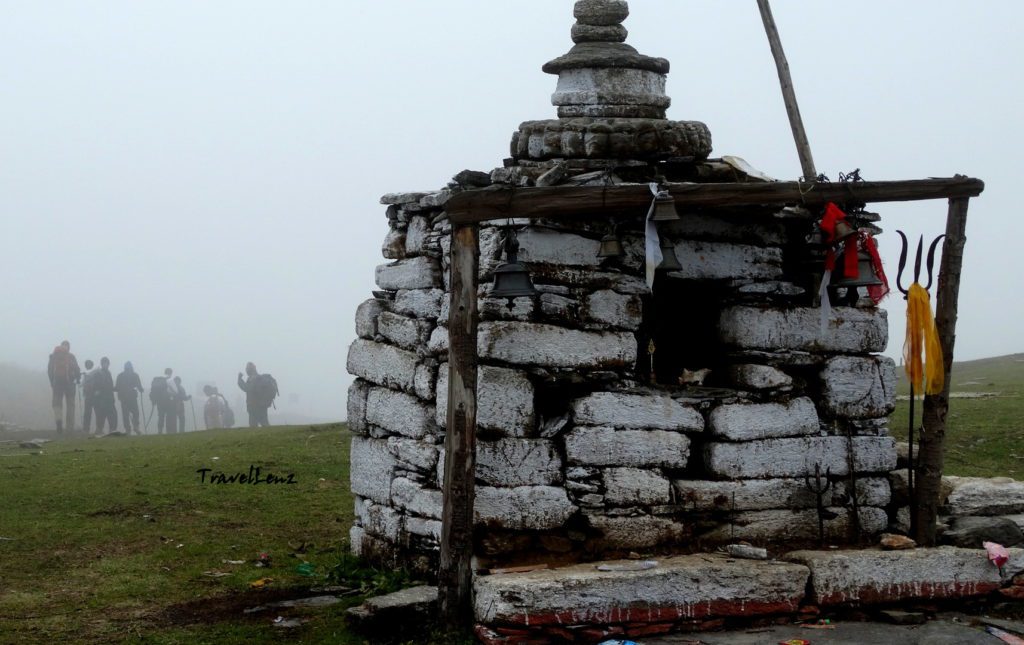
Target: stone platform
<point x="635" y="598"/>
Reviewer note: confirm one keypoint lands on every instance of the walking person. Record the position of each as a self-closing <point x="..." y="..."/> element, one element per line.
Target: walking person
<point x="103" y="401"/>
<point x="161" y="394"/>
<point x="128" y="387"/>
<point x="180" y="396"/>
<point x="88" y="395"/>
<point x="260" y="391"/>
<point x="216" y="411"/>
<point x="64" y="375"/>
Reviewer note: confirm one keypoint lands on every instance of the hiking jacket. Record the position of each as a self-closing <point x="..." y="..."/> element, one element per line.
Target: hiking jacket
<point x="63" y="367"/>
<point x="102" y="382"/>
<point x="127" y="386"/>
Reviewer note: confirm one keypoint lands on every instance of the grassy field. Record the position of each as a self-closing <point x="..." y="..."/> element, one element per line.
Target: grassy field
<point x="117" y="539"/>
<point x="985" y="435"/>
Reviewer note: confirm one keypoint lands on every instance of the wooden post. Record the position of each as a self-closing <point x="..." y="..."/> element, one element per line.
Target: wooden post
<point x="933" y="435"/>
<point x="455" y="575"/>
<point x="796" y="122"/>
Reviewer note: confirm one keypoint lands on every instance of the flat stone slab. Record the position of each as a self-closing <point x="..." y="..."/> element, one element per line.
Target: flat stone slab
<point x="985" y="496"/>
<point x="640" y="448"/>
<point x="869" y="577"/>
<point x="848" y="330"/>
<point x="647" y="411"/>
<point x="689" y="586"/>
<point x="797" y="456"/>
<point x="746" y="421"/>
<point x="550" y="346"/>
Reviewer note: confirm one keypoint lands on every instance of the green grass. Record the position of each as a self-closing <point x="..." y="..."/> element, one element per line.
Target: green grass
<point x="113" y="539"/>
<point x="984" y="436"/>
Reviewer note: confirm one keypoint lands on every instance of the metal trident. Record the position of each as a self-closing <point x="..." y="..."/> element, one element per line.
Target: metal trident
<point x="906" y="293"/>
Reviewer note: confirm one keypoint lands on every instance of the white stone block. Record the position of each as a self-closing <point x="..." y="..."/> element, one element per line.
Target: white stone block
<point x="423" y="527"/>
<point x="870" y="577"/>
<point x="504" y="400"/>
<point x="722" y="261"/>
<point x="547" y="246"/>
<point x="425" y="380"/>
<point x="393" y="247"/>
<point x="412" y="497"/>
<point x="746" y="421"/>
<point x="372" y="466"/>
<point x="366" y="318"/>
<point x="758" y="377"/>
<point x="408" y="333"/>
<point x="356" y="419"/>
<point x="550" y="346"/>
<point x="399" y="199"/>
<point x="356" y="534"/>
<point x="847" y="330"/>
<point x="765" y="494"/>
<point x="985" y="496"/>
<point x="643" y="411"/>
<point x="418" y="454"/>
<point x="381" y="521"/>
<point x="382" y="364"/>
<point x="637" y="532"/>
<point x="602" y="446"/>
<point x="515" y="462"/>
<point x="797" y="456"/>
<point x="399" y="413"/>
<point x="680" y="587"/>
<point x="438" y="343"/>
<point x="789" y="524"/>
<point x="416" y="235"/>
<point x="859" y="388"/>
<point x="412" y="273"/>
<point x="635" y="487"/>
<point x="419" y="303"/>
<point x="615" y="309"/>
<point x="522" y="508"/>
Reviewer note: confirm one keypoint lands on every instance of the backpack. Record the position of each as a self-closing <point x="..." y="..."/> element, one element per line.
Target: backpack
<point x="159" y="392"/>
<point x="263" y="388"/>
<point x="61" y="362"/>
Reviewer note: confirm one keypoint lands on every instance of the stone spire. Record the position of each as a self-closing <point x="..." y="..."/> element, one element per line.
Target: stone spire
<point x="611" y="99"/>
<point x="602" y="75"/>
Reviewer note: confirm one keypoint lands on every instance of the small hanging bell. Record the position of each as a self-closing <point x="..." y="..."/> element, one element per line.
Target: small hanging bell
<point x="611" y="247"/>
<point x="866" y="277"/>
<point x="511" y="279"/>
<point x="664" y="207"/>
<point x="669" y="261"/>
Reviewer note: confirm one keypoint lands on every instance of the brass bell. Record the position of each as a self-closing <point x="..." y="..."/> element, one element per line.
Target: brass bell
<point x="866" y="277"/>
<point x="669" y="261"/>
<point x="611" y="247"/>
<point x="843" y="231"/>
<point x="511" y="279"/>
<point x="664" y="207"/>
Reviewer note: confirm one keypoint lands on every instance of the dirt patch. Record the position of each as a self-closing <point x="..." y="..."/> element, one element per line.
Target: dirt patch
<point x="225" y="608"/>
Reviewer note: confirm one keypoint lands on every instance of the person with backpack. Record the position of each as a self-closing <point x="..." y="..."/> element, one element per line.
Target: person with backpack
<point x="180" y="396"/>
<point x="64" y="375"/>
<point x="103" y="397"/>
<point x="161" y="394"/>
<point x="88" y="392"/>
<point x="128" y="386"/>
<point x="216" y="412"/>
<point x="260" y="391"/>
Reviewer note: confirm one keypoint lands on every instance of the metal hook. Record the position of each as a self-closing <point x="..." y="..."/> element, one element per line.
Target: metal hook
<point x="917" y="262"/>
<point x="903" y="264"/>
<point x="931" y="259"/>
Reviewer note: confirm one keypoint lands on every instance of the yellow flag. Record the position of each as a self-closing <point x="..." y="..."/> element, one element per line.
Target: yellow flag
<point x="922" y="352"/>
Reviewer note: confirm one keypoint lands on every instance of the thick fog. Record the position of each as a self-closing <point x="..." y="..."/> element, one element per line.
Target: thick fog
<point x="195" y="184"/>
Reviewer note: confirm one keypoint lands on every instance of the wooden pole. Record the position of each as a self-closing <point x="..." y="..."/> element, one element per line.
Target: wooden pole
<point x="564" y="202"/>
<point x="936" y="406"/>
<point x="796" y="122"/>
<point x="455" y="575"/>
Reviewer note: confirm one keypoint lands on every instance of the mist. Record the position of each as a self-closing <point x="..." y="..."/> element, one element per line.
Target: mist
<point x="195" y="185"/>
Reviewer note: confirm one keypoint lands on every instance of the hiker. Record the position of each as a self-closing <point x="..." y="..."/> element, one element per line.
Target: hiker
<point x="88" y="393"/>
<point x="180" y="396"/>
<point x="64" y="376"/>
<point x="161" y="394"/>
<point x="260" y="390"/>
<point x="103" y="397"/>
<point x="216" y="412"/>
<point x="128" y="386"/>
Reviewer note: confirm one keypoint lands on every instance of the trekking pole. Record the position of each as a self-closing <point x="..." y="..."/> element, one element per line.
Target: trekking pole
<point x="193" y="404"/>
<point x="153" y="407"/>
<point x="142" y="406"/>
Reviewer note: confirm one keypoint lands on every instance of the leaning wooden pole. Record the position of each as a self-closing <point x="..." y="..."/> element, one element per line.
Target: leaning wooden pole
<point x="455" y="575"/>
<point x="936" y="406"/>
<point x="796" y="122"/>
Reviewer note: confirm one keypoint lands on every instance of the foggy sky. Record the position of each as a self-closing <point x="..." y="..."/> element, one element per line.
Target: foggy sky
<point x="195" y="184"/>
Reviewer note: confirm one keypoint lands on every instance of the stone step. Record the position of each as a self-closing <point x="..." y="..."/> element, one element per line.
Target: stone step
<point x="678" y="587"/>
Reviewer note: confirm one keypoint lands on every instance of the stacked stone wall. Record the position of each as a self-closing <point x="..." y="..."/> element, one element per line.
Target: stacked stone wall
<point x="578" y="454"/>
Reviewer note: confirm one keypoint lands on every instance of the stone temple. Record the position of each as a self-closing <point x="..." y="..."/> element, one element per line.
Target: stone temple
<point x="613" y="417"/>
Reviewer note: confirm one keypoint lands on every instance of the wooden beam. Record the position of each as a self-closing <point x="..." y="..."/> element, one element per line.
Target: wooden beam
<point x="560" y="202"/>
<point x="455" y="575"/>
<point x="796" y="122"/>
<point x="933" y="435"/>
